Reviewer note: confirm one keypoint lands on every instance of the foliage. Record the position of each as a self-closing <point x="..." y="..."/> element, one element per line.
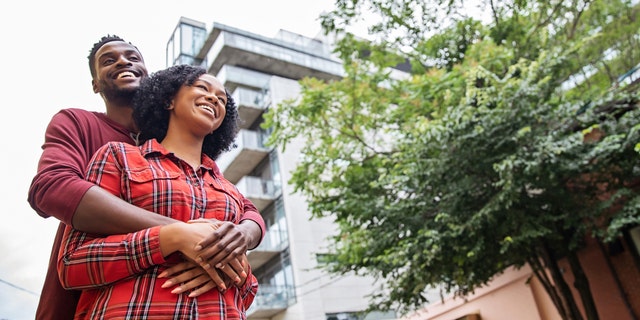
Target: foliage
<point x="483" y="158"/>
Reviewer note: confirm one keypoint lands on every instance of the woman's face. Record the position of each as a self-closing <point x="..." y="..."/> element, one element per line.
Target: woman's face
<point x="200" y="107"/>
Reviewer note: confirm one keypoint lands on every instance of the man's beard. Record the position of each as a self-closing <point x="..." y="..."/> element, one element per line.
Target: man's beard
<point x="123" y="96"/>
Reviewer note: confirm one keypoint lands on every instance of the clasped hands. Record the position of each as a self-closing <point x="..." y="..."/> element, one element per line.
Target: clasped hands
<point x="208" y="246"/>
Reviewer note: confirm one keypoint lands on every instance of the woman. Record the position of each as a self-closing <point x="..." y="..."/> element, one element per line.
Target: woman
<point x="187" y="120"/>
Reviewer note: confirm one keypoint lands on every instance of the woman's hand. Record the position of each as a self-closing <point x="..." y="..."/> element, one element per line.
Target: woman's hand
<point x="188" y="276"/>
<point x="183" y="237"/>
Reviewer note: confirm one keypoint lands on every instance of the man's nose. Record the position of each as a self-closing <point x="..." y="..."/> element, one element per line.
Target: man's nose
<point x="123" y="60"/>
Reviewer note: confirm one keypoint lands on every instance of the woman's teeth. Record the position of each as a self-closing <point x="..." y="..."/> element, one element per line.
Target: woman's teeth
<point x="207" y="108"/>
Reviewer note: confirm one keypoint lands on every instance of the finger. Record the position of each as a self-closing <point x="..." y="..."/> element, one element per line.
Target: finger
<point x="214" y="237"/>
<point x="216" y="278"/>
<point x="209" y="285"/>
<point x="177" y="269"/>
<point x="183" y="277"/>
<point x="218" y="257"/>
<point x="234" y="271"/>
<point x="230" y="245"/>
<point x="191" y="284"/>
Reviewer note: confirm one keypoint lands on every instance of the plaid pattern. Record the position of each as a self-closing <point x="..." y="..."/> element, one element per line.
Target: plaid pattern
<point x="118" y="274"/>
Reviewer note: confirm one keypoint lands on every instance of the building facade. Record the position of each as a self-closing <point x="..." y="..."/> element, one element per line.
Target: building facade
<point x="262" y="71"/>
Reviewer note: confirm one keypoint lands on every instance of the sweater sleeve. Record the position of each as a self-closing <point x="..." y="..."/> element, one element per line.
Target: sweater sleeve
<point x="58" y="185"/>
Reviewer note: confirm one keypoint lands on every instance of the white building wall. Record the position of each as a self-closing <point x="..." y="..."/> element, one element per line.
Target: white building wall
<point x="318" y="293"/>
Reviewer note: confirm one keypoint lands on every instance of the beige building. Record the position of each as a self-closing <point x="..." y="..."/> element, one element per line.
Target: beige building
<point x="516" y="294"/>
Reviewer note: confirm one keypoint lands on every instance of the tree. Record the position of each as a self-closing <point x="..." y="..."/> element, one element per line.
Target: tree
<point x="484" y="157"/>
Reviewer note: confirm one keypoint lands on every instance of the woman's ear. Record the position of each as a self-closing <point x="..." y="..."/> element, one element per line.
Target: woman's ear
<point x="170" y="106"/>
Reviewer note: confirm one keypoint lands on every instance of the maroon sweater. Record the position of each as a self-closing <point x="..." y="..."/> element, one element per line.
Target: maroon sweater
<point x="71" y="138"/>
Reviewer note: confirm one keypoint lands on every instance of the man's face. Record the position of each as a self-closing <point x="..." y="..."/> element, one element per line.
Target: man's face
<point x="119" y="68"/>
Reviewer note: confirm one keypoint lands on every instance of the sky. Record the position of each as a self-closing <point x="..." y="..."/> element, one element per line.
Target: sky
<point x="44" y="69"/>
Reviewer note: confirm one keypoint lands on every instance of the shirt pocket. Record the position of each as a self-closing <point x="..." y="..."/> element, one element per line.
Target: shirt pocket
<point x="145" y="175"/>
<point x="150" y="189"/>
<point x="224" y="202"/>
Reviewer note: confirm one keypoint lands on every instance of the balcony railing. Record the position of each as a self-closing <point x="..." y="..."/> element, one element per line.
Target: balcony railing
<point x="270" y="301"/>
<point x="260" y="191"/>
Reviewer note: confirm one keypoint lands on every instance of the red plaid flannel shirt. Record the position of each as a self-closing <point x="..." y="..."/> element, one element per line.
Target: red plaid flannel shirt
<point x="119" y="274"/>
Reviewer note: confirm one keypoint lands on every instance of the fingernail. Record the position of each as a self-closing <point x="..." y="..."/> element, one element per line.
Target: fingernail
<point x="167" y="283"/>
<point x="198" y="247"/>
<point x="206" y="266"/>
<point x="162" y="274"/>
<point x="176" y="290"/>
<point x="236" y="280"/>
<point x="219" y="265"/>
<point x="244" y="274"/>
<point x="198" y="259"/>
<point x="192" y="294"/>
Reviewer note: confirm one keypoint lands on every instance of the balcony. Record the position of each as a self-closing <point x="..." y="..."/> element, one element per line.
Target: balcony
<point x="270" y="301"/>
<point x="292" y="57"/>
<point x="240" y="161"/>
<point x="250" y="105"/>
<point x="273" y="243"/>
<point x="260" y="191"/>
<point x="233" y="77"/>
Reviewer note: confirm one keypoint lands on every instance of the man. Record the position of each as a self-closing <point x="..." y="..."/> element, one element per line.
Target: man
<point x="59" y="188"/>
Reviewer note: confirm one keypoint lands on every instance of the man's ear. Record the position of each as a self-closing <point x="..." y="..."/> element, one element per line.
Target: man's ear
<point x="94" y="86"/>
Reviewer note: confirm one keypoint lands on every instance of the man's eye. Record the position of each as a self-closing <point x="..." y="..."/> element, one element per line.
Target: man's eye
<point x="107" y="61"/>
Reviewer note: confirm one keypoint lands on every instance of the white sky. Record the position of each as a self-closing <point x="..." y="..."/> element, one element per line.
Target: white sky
<point x="44" y="69"/>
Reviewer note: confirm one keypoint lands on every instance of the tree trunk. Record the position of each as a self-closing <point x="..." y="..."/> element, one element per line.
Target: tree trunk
<point x="569" y="303"/>
<point x="581" y="283"/>
<point x="543" y="276"/>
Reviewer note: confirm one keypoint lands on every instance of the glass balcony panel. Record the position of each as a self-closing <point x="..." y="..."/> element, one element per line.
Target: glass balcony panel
<point x="271" y="300"/>
<point x="260" y="191"/>
<point x="250" y="105"/>
<point x="273" y="243"/>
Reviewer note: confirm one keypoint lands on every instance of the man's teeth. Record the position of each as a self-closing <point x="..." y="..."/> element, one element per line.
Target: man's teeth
<point x="208" y="109"/>
<point x="126" y="74"/>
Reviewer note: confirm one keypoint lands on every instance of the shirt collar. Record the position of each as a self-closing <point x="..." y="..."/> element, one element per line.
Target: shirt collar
<point x="152" y="147"/>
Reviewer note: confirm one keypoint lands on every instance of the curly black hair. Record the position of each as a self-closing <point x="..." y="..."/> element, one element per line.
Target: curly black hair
<point x="154" y="97"/>
<point x="96" y="46"/>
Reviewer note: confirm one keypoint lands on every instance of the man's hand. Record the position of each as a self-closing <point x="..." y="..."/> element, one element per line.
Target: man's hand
<point x="223" y="248"/>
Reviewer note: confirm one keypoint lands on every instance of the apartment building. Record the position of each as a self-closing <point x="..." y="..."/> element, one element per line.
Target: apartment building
<point x="262" y="71"/>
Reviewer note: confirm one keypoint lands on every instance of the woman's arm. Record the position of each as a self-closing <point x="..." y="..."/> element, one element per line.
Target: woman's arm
<point x="87" y="260"/>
